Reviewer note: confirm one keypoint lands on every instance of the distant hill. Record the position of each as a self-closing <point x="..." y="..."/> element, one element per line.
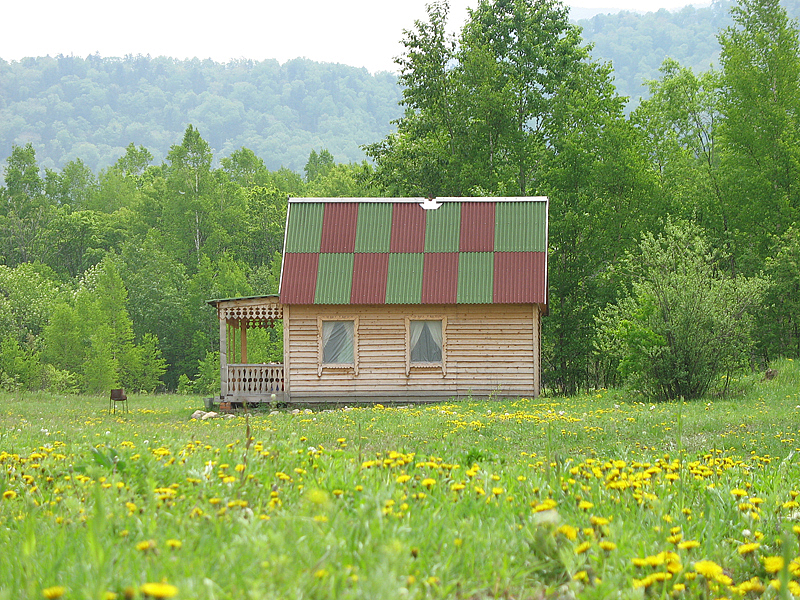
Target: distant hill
<point x="637" y="44"/>
<point x="70" y="107"/>
<point x="92" y="108"/>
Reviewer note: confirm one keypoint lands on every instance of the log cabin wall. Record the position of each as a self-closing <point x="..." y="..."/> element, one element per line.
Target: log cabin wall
<point x="489" y="350"/>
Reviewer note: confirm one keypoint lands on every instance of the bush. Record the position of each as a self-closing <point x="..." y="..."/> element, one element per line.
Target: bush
<point x="685" y="321"/>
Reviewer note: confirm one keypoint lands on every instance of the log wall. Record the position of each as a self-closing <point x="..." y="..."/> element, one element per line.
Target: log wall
<point x="490" y="350"/>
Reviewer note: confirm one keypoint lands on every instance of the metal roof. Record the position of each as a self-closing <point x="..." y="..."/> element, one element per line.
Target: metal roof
<point x="415" y="251"/>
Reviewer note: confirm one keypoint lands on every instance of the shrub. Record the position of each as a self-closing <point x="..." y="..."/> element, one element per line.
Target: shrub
<point x="685" y="321"/>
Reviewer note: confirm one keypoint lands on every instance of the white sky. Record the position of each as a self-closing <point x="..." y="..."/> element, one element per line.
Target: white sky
<point x="363" y="33"/>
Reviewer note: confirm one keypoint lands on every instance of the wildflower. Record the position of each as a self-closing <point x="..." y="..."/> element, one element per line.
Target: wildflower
<point x="688" y="544"/>
<point x="568" y="531"/>
<point x="9" y="495"/>
<point x="146" y="546"/>
<point x="751" y="585"/>
<point x="749" y="548"/>
<point x="54" y="592"/>
<point x="321" y="574"/>
<point x="708" y="569"/>
<point x="773" y="564"/>
<point x="174" y="544"/>
<point x="403" y="478"/>
<point x="583" y="547"/>
<point x="608" y="546"/>
<point x="497" y="491"/>
<point x="584" y="505"/>
<point x="428" y="482"/>
<point x="158" y="590"/>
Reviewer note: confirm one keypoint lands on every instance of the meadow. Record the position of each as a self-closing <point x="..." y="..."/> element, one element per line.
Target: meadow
<point x="598" y="496"/>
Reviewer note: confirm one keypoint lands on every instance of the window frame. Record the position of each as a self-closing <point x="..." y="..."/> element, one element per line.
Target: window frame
<point x="322" y="366"/>
<point x="426" y="366"/>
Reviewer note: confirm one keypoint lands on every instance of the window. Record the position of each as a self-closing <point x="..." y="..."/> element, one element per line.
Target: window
<point x="425" y="344"/>
<point x="425" y="341"/>
<point x="338" y="344"/>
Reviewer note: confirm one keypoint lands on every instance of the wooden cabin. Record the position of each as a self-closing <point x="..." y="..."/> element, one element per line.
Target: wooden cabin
<point x="398" y="300"/>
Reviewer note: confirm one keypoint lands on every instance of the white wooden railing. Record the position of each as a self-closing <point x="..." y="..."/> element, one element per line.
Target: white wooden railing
<point x="254" y="380"/>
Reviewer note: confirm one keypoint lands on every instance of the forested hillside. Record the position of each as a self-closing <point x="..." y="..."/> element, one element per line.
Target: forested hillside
<point x="638" y="43"/>
<point x="91" y="108"/>
<point x="673" y="238"/>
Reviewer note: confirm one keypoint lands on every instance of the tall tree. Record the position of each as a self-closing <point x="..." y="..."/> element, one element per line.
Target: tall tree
<point x="189" y="208"/>
<point x="761" y="108"/>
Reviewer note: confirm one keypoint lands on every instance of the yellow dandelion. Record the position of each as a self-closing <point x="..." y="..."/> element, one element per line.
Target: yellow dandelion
<point x="773" y="564"/>
<point x="607" y="546"/>
<point x="748" y="548"/>
<point x="54" y="592"/>
<point x="568" y="531"/>
<point x="497" y="491"/>
<point x="9" y="495"/>
<point x="146" y="546"/>
<point x="158" y="590"/>
<point x="174" y="544"/>
<point x="428" y="482"/>
<point x="708" y="569"/>
<point x="585" y="505"/>
<point x="403" y="478"/>
<point x="583" y="547"/>
<point x="688" y="544"/>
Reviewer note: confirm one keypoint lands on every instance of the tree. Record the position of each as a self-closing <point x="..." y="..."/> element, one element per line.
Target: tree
<point x="686" y="320"/>
<point x="761" y="125"/>
<point x="189" y="208"/>
<point x="478" y="114"/>
<point x="318" y="164"/>
<point x="24" y="210"/>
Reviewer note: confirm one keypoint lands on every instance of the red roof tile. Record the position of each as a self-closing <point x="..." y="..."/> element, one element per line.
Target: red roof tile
<point x="520" y="277"/>
<point x="440" y="278"/>
<point x="477" y="227"/>
<point x="370" y="273"/>
<point x="408" y="228"/>
<point x="299" y="277"/>
<point x="339" y="227"/>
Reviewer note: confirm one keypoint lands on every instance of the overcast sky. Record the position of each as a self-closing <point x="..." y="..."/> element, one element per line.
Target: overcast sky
<point x="363" y="33"/>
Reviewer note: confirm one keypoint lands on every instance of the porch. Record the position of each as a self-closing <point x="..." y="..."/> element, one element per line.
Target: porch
<point x="240" y="380"/>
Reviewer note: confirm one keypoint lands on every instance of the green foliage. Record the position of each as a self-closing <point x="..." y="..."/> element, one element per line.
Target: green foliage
<point x="97" y="109"/>
<point x="685" y="322"/>
<point x="206" y="380"/>
<point x="20" y="367"/>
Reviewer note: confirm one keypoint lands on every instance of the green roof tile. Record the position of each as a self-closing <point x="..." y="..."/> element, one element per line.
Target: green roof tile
<point x="304" y="231"/>
<point x="374" y="228"/>
<point x="334" y="279"/>
<point x="404" y="283"/>
<point x="475" y="277"/>
<point x="443" y="228"/>
<point x="520" y="227"/>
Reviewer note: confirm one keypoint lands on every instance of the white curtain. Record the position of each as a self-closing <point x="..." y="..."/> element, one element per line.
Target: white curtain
<point x="337" y="342"/>
<point x="426" y="341"/>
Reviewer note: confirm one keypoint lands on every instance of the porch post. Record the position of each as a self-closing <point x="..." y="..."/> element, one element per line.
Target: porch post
<point x="223" y="354"/>
<point x="243" y="342"/>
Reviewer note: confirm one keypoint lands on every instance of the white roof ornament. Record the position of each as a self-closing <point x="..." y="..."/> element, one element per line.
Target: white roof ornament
<point x="430" y="204"/>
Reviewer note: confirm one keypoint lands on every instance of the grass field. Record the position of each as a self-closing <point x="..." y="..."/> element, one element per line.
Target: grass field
<point x="599" y="496"/>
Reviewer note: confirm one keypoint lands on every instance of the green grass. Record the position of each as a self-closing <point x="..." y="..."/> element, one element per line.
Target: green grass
<point x="547" y="498"/>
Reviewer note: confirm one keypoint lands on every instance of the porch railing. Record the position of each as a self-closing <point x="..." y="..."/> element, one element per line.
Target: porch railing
<point x="254" y="380"/>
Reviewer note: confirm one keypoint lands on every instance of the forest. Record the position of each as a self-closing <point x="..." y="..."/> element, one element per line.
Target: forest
<point x="674" y="246"/>
<point x="90" y="108"/>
